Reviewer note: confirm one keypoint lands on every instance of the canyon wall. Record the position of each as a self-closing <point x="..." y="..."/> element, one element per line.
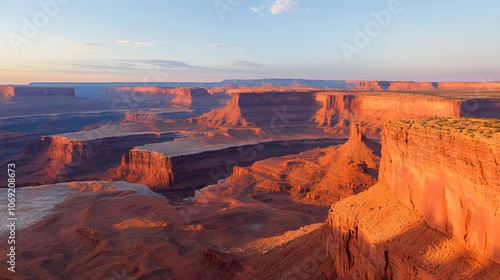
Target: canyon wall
<point x="451" y="177"/>
<point x="264" y="110"/>
<point x="334" y="111"/>
<point x="424" y="86"/>
<point x="434" y="212"/>
<point x="58" y="158"/>
<point x="194" y="170"/>
<point x="373" y="110"/>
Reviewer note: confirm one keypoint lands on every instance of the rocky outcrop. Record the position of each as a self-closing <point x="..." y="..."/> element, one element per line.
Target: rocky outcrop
<point x="266" y="110"/>
<point x="373" y="110"/>
<point x="195" y="169"/>
<point x="433" y="213"/>
<point x="6" y="93"/>
<point x="373" y="235"/>
<point x="448" y="170"/>
<point x="316" y="177"/>
<point x="59" y="158"/>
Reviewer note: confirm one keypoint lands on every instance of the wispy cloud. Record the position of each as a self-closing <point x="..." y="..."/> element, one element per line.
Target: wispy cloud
<point x="246" y="64"/>
<point x="218" y="45"/>
<point x="281" y="6"/>
<point x="257" y="9"/>
<point x="164" y="63"/>
<point x="135" y="44"/>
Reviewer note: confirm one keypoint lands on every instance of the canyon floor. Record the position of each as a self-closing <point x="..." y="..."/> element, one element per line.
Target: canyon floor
<point x="257" y="183"/>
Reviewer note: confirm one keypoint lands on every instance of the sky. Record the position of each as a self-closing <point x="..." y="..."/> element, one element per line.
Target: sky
<point x="213" y="40"/>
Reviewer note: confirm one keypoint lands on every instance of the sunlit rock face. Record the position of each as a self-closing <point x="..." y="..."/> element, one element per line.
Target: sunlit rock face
<point x="433" y="213"/>
<point x="448" y="170"/>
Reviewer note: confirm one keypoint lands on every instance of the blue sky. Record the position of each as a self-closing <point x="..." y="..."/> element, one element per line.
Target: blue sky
<point x="212" y="40"/>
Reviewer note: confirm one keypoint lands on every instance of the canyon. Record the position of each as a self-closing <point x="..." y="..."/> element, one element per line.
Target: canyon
<point x="364" y="180"/>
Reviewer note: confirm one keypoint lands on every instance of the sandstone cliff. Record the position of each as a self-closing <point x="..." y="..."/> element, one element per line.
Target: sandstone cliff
<point x="334" y="111"/>
<point x="162" y="169"/>
<point x="448" y="170"/>
<point x="59" y="158"/>
<point x="264" y="109"/>
<point x="433" y="214"/>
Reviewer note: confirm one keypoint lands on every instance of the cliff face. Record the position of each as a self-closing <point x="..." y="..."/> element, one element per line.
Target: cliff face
<point x="373" y="110"/>
<point x="451" y="178"/>
<point x="195" y="170"/>
<point x="424" y="86"/>
<point x="434" y="212"/>
<point x="58" y="158"/>
<point x="264" y="110"/>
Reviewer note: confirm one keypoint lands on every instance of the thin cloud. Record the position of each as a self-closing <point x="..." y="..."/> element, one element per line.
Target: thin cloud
<point x="219" y="45"/>
<point x="134" y="44"/>
<point x="258" y="9"/>
<point x="165" y="63"/>
<point x="247" y="64"/>
<point x="281" y="6"/>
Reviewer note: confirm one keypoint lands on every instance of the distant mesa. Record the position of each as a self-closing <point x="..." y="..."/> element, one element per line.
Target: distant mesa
<point x="8" y="93"/>
<point x="423" y="86"/>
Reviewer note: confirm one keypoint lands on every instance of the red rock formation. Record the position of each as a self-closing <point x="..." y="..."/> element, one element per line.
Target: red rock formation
<point x="264" y="110"/>
<point x="6" y="93"/>
<point x="375" y="236"/>
<point x="317" y="177"/>
<point x="160" y="168"/>
<point x="373" y="110"/>
<point x="448" y="170"/>
<point x="433" y="214"/>
<point x="59" y="158"/>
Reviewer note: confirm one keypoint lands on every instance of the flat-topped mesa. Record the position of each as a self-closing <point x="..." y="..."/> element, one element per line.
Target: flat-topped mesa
<point x="193" y="163"/>
<point x="264" y="110"/>
<point x="76" y="156"/>
<point x="448" y="170"/>
<point x="184" y="97"/>
<point x="424" y="86"/>
<point x="8" y="93"/>
<point x="372" y="110"/>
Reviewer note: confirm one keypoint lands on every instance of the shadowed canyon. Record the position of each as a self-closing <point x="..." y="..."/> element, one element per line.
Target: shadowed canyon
<point x="254" y="179"/>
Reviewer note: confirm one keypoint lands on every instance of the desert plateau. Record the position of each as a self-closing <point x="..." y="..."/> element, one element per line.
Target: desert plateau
<point x="249" y="140"/>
